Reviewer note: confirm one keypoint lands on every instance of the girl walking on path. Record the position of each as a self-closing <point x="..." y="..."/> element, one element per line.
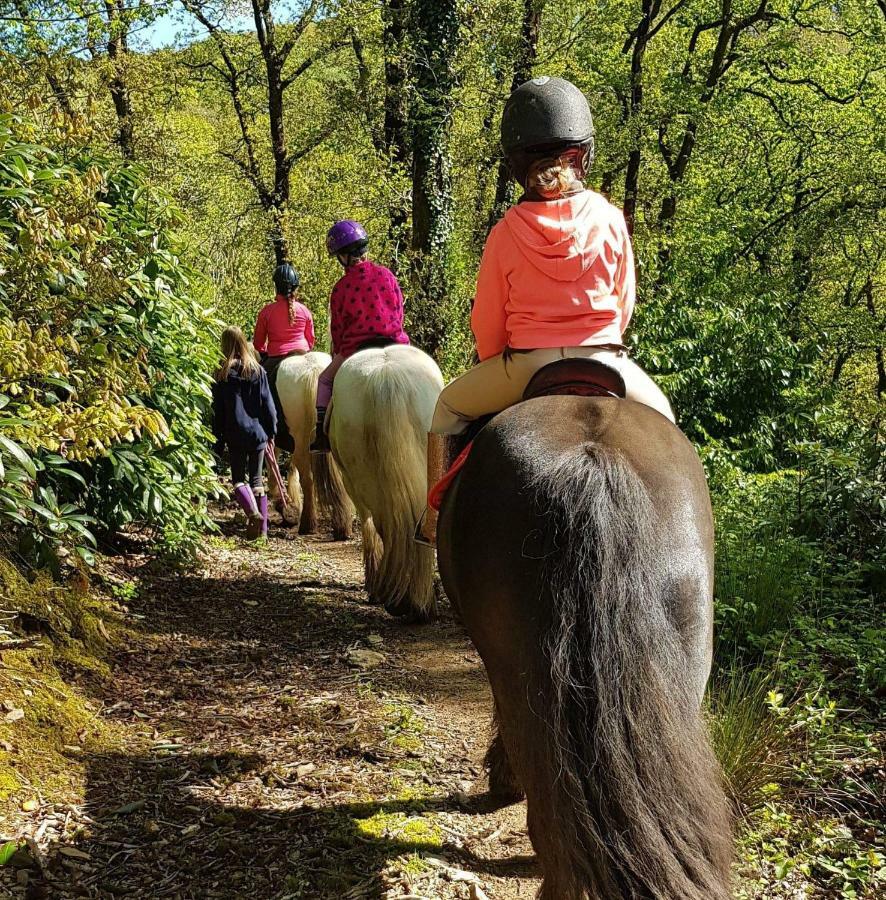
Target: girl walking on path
<point x="244" y="419"/>
<point x="285" y="327"/>
<point x="366" y="308"/>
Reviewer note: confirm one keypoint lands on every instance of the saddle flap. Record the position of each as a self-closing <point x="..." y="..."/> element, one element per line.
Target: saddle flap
<point x="575" y="376"/>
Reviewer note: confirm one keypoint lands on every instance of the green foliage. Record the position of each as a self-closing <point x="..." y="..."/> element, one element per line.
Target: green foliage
<point x="105" y="354"/>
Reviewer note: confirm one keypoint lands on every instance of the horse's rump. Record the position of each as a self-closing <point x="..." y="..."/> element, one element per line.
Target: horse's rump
<point x="383" y="403"/>
<point x="576" y="545"/>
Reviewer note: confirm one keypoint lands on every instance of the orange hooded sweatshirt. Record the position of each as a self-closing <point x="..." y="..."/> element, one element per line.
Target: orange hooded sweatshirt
<point x="555" y="273"/>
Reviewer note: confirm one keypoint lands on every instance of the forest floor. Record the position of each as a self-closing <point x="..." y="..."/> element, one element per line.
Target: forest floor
<point x="265" y="755"/>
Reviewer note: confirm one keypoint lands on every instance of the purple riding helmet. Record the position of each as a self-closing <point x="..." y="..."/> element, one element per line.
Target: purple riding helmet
<point x="343" y="234"/>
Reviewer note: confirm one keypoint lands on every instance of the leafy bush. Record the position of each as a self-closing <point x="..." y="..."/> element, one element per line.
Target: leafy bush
<point x="104" y="354"/>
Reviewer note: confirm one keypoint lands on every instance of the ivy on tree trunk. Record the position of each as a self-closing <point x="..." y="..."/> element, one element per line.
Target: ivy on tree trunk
<point x="436" y="36"/>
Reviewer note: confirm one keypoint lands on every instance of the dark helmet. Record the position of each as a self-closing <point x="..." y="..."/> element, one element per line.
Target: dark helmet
<point x="286" y="279"/>
<point x="346" y="235"/>
<point x="545" y="113"/>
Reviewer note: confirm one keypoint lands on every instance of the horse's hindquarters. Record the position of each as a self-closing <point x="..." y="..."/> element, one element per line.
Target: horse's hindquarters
<point x="576" y="537"/>
<point x="383" y="402"/>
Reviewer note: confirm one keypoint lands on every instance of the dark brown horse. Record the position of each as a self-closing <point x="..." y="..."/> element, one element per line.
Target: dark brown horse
<point x="577" y="546"/>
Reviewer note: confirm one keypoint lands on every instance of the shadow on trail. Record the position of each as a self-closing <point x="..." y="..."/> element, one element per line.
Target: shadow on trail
<point x="157" y="831"/>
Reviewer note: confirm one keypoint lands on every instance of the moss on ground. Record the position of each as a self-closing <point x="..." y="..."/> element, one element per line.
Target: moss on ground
<point x="402" y="828"/>
<point x="47" y="724"/>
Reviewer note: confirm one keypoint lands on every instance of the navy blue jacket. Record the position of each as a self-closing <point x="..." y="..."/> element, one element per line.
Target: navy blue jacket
<point x="243" y="413"/>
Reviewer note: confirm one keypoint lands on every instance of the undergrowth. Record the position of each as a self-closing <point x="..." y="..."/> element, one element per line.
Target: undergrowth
<point x="794" y="702"/>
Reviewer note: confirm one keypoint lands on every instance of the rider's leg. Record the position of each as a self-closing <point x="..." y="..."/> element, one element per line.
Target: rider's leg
<point x="324" y="395"/>
<point x="258" y="524"/>
<point x="436" y="470"/>
<point x="493" y="385"/>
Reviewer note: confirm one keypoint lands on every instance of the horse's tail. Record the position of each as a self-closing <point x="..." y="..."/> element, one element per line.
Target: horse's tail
<point x="379" y="429"/>
<point x="332" y="495"/>
<point x="640" y="810"/>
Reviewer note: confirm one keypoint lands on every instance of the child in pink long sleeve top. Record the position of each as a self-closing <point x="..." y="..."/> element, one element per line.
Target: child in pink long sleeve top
<point x="283" y="328"/>
<point x="366" y="306"/>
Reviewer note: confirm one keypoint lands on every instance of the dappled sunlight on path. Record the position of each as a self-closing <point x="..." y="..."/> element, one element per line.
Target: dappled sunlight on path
<point x="288" y="740"/>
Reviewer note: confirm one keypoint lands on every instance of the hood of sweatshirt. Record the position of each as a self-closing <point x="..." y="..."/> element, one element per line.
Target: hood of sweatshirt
<point x="562" y="238"/>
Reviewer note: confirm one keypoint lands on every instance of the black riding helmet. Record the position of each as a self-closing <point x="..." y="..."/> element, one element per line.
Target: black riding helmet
<point x="542" y="116"/>
<point x="286" y="279"/>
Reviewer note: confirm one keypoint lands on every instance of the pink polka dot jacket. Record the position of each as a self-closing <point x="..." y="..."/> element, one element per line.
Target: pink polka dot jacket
<point x="366" y="303"/>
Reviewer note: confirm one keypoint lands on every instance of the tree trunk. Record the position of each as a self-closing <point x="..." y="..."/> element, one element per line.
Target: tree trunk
<point x="437" y="27"/>
<point x="274" y="61"/>
<point x="523" y="65"/>
<point x="395" y="14"/>
<point x="118" y="52"/>
<point x="635" y="105"/>
<point x="879" y="357"/>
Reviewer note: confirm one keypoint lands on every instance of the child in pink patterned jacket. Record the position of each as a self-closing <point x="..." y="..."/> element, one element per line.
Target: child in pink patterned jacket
<point x="366" y="306"/>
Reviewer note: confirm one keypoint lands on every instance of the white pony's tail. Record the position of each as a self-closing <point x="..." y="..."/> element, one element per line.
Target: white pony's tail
<point x="311" y="478"/>
<point x="382" y="408"/>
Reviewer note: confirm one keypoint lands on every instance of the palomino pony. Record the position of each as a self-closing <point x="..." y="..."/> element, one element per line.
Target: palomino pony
<point x="382" y="405"/>
<point x="577" y="546"/>
<point x="312" y="480"/>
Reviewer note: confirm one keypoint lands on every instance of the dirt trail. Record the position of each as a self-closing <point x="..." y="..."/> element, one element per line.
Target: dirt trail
<point x="265" y="764"/>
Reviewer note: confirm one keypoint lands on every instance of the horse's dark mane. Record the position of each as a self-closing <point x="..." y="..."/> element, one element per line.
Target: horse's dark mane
<point x="643" y="811"/>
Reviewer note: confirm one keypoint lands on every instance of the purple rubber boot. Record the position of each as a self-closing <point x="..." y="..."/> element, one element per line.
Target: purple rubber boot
<point x="263" y="510"/>
<point x="246" y="500"/>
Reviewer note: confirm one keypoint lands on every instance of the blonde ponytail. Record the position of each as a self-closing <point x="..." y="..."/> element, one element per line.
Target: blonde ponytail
<point x="552" y="177"/>
<point x="235" y="348"/>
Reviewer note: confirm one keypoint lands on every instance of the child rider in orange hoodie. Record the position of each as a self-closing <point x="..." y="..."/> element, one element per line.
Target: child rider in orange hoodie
<point x="557" y="275"/>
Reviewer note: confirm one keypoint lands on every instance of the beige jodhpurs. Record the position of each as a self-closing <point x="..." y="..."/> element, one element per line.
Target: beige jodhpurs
<point x="496" y="383"/>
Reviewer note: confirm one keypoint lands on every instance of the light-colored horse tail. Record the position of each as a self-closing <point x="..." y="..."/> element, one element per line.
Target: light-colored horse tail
<point x="383" y="404"/>
<point x="310" y="478"/>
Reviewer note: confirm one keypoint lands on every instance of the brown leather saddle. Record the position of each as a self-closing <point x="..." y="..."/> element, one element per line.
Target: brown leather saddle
<point x="573" y="376"/>
<point x="576" y="377"/>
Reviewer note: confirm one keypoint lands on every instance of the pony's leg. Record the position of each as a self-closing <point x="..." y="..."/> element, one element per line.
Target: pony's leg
<point x="372" y="553"/>
<point x="291" y="509"/>
<point x="503" y="783"/>
<point x="308" y="523"/>
<point x="556" y="883"/>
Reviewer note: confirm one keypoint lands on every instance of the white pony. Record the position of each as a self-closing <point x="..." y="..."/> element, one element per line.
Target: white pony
<point x="312" y="480"/>
<point x="382" y="405"/>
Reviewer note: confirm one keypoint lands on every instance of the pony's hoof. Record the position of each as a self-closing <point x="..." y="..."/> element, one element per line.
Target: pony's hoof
<point x="290" y="516"/>
<point x="498" y="799"/>
<point x="409" y="614"/>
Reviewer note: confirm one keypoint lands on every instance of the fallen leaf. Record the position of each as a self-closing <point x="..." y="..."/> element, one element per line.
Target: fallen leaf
<point x="14" y="715"/>
<point x="73" y="853"/>
<point x="30" y="805"/>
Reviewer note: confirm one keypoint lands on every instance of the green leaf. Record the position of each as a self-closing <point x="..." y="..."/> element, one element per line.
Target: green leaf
<point x="86" y="555"/>
<point x="7" y="851"/>
<point x="21" y="457"/>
